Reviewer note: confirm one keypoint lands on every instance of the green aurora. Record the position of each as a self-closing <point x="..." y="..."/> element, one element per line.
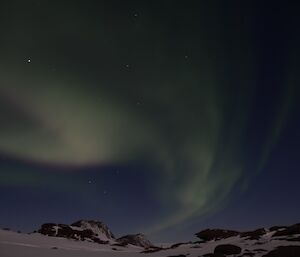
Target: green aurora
<point x="186" y="117"/>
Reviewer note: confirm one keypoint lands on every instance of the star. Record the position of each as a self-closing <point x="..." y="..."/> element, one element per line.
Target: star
<point x="29" y="61"/>
<point x="90" y="182"/>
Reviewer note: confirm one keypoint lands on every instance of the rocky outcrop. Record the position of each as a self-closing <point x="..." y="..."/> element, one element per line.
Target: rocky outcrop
<point x="98" y="232"/>
<point x="97" y="227"/>
<point x="137" y="240"/>
<point x="62" y="230"/>
<point x="284" y="251"/>
<point x="93" y="231"/>
<point x="49" y="229"/>
<point x="254" y="235"/>
<point x="288" y="231"/>
<point x="275" y="228"/>
<point x="216" y="234"/>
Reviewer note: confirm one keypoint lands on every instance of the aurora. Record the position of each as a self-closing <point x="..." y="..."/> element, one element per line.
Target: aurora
<point x="81" y="96"/>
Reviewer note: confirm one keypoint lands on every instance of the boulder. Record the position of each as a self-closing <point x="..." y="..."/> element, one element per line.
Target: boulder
<point x="227" y="249"/>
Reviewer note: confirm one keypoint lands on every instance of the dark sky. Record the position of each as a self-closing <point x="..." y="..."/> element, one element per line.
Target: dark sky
<point x="161" y="117"/>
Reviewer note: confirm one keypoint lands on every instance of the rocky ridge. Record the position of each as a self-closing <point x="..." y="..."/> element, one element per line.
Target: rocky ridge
<point x="278" y="241"/>
<point x="93" y="231"/>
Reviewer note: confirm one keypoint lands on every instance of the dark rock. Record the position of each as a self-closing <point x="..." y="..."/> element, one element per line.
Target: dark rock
<point x="291" y="230"/>
<point x="208" y="255"/>
<point x="294" y="239"/>
<point x="72" y="232"/>
<point x="65" y="231"/>
<point x="87" y="233"/>
<point x="216" y="234"/>
<point x="99" y="241"/>
<point x="120" y="244"/>
<point x="96" y="226"/>
<point x="154" y="250"/>
<point x="137" y="239"/>
<point x="178" y="244"/>
<point x="275" y="228"/>
<point x="227" y="249"/>
<point x="284" y="251"/>
<point x="254" y="235"/>
<point x="48" y="229"/>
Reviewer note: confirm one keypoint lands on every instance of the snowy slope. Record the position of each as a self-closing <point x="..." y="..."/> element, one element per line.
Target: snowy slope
<point x="35" y="245"/>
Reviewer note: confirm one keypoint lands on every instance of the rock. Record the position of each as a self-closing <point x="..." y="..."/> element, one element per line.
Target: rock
<point x="284" y="251"/>
<point x="97" y="227"/>
<point x="137" y="239"/>
<point x="291" y="230"/>
<point x="179" y="244"/>
<point x="153" y="250"/>
<point x="294" y="239"/>
<point x="275" y="228"/>
<point x="48" y="229"/>
<point x="120" y="244"/>
<point x="216" y="234"/>
<point x="227" y="249"/>
<point x="65" y="231"/>
<point x="91" y="232"/>
<point x="254" y="235"/>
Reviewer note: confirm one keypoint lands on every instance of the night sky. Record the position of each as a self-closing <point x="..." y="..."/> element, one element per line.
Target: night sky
<point x="161" y="117"/>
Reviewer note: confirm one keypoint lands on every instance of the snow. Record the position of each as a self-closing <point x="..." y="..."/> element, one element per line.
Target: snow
<point x="14" y="244"/>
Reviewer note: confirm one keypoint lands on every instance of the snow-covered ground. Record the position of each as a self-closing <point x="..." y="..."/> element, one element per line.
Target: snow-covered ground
<point x="14" y="244"/>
